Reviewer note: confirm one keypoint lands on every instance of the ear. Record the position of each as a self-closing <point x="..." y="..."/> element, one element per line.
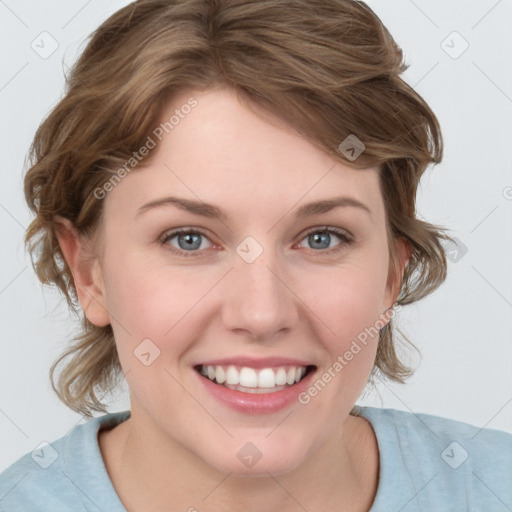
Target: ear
<point x="86" y="271"/>
<point x="396" y="271"/>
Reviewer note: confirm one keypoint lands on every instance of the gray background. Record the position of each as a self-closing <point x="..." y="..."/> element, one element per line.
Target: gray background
<point x="463" y="330"/>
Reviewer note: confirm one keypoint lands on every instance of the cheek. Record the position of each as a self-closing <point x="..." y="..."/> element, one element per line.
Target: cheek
<point x="348" y="299"/>
<point x="147" y="300"/>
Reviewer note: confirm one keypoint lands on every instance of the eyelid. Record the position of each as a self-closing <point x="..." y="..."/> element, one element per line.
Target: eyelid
<point x="171" y="233"/>
<point x="332" y="229"/>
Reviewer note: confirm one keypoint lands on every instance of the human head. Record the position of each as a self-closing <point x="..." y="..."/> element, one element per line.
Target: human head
<point x="328" y="69"/>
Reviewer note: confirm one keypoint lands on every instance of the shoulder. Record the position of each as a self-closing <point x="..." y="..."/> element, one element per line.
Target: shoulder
<point x="55" y="476"/>
<point x="429" y="431"/>
<point x="437" y="456"/>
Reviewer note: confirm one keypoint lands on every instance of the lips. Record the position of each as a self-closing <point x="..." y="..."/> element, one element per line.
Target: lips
<point x="255" y="385"/>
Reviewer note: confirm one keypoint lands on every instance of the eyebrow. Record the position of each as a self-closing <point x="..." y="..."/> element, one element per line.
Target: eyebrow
<point x="214" y="212"/>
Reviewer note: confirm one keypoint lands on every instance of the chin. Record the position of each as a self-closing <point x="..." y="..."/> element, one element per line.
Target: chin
<point x="247" y="460"/>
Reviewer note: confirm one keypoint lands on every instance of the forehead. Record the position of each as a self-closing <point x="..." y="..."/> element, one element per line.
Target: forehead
<point x="230" y="153"/>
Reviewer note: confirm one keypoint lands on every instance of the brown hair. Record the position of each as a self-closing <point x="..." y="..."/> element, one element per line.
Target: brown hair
<point x="329" y="68"/>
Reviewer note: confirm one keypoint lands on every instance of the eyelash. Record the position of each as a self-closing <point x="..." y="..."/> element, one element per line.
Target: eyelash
<point x="346" y="239"/>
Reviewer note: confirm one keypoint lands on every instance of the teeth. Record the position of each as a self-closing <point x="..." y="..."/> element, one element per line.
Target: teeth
<point x="248" y="378"/>
<point x="220" y="375"/>
<point x="232" y="376"/>
<point x="267" y="378"/>
<point x="281" y="377"/>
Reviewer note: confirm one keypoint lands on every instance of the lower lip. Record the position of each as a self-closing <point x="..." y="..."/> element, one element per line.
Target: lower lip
<point x="260" y="403"/>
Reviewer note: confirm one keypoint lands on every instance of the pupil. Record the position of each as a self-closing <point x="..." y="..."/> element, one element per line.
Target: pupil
<point x="319" y="237"/>
<point x="189" y="241"/>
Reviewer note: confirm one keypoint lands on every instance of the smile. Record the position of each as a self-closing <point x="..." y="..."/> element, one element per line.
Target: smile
<point x="255" y="385"/>
<point x="251" y="380"/>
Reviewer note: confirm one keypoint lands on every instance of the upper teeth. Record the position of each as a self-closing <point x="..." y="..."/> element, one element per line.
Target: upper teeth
<point x="249" y="377"/>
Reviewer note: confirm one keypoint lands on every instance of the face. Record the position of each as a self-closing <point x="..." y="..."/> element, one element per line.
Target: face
<point x="254" y="289"/>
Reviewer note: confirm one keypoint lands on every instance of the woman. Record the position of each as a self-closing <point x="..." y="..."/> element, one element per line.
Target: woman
<point x="228" y="191"/>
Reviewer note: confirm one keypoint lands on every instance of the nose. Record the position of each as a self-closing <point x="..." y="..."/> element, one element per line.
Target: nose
<point x="257" y="300"/>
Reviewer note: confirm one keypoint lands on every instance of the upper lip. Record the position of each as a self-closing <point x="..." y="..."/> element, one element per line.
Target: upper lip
<point x="253" y="362"/>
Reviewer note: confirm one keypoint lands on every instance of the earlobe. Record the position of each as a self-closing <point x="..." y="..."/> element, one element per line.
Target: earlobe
<point x="86" y="272"/>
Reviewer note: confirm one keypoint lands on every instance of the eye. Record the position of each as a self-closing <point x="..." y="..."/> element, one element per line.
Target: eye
<point x="192" y="242"/>
<point x="321" y="238"/>
<point x="189" y="242"/>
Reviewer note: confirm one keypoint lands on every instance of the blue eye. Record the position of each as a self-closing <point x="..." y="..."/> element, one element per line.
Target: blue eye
<point x="192" y="242"/>
<point x="189" y="241"/>
<point x="321" y="238"/>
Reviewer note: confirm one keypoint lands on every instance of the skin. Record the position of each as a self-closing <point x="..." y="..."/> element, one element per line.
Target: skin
<point x="295" y="300"/>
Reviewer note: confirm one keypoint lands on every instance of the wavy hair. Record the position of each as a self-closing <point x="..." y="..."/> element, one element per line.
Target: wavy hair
<point x="329" y="68"/>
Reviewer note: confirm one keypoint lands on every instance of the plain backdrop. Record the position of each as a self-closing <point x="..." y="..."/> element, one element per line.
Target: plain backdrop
<point x="460" y="62"/>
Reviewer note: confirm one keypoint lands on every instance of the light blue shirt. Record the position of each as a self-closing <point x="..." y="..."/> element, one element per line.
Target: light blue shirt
<point x="427" y="463"/>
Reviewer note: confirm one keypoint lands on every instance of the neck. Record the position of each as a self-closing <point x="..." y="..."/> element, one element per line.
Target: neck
<point x="342" y="474"/>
